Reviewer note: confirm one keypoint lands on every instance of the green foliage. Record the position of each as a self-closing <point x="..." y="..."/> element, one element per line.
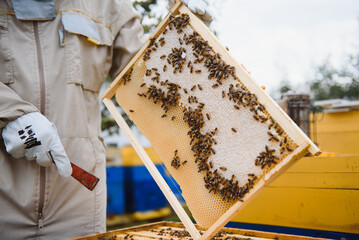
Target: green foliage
<point x="144" y="4"/>
<point x="331" y="83"/>
<point x="150" y="19"/>
<point x="284" y="86"/>
<point x="149" y="23"/>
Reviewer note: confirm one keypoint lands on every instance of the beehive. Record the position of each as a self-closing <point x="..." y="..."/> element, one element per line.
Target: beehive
<point x="176" y="231"/>
<point x="219" y="134"/>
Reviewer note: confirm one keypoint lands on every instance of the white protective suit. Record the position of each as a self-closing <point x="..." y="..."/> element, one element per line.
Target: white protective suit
<point x="55" y="63"/>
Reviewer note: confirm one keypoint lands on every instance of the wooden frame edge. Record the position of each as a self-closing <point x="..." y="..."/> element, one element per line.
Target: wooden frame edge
<point x="175" y="204"/>
<point x="306" y="146"/>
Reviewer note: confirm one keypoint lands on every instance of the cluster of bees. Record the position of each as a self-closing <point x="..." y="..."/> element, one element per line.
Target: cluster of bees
<point x="129" y="236"/>
<point x="152" y="46"/>
<point x="243" y="98"/>
<point x="167" y="98"/>
<point x="174" y="22"/>
<point x="176" y="162"/>
<point x="127" y="77"/>
<point x="181" y="234"/>
<point x="178" y="22"/>
<point x="228" y="189"/>
<point x="173" y="233"/>
<point x="176" y="233"/>
<point x="177" y="59"/>
<point x="284" y="143"/>
<point x="202" y="144"/>
<point x="266" y="157"/>
<point x="106" y="237"/>
<point x="217" y="68"/>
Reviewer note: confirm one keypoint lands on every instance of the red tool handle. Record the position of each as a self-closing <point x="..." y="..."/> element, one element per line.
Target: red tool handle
<point x="85" y="178"/>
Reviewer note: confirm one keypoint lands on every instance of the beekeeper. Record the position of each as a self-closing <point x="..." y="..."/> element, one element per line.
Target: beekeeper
<point x="54" y="58"/>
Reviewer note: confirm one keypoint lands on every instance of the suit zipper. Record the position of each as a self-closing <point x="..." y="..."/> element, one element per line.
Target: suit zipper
<point x="40" y="217"/>
<point x="40" y="64"/>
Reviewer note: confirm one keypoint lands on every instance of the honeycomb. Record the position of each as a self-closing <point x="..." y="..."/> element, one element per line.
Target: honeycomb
<point x="213" y="135"/>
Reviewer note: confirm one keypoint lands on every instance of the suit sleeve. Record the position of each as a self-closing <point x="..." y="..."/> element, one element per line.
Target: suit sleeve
<point x="129" y="38"/>
<point x="12" y="106"/>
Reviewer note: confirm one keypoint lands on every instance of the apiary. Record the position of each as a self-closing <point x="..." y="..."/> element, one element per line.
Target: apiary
<point x="221" y="137"/>
<point x="176" y="231"/>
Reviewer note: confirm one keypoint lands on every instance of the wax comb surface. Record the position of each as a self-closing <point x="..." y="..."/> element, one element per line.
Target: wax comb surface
<point x="217" y="132"/>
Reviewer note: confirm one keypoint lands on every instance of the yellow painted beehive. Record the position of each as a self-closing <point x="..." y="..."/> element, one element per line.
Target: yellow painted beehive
<point x="218" y="133"/>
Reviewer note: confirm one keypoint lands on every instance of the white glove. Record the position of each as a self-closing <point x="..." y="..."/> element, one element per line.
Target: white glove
<point x="198" y="7"/>
<point x="34" y="137"/>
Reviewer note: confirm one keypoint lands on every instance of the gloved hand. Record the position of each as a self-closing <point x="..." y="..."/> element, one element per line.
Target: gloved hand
<point x="34" y="137"/>
<point x="198" y="7"/>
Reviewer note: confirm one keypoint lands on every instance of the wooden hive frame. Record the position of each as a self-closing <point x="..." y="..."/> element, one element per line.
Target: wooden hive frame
<point x="305" y="145"/>
<point x="152" y="231"/>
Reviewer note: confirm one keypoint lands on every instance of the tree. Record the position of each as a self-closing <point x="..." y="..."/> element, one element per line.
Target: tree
<point x="332" y="83"/>
<point x="150" y="17"/>
<point x="329" y="82"/>
<point x="149" y="22"/>
<point x="285" y="86"/>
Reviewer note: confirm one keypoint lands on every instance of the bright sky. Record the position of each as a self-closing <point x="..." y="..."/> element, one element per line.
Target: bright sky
<point x="280" y="39"/>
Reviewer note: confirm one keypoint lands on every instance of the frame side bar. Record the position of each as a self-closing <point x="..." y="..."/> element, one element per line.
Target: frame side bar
<point x="225" y="218"/>
<point x="176" y="205"/>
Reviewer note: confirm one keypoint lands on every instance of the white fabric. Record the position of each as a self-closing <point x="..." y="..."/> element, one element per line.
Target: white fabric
<point x="198" y="7"/>
<point x="32" y="136"/>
